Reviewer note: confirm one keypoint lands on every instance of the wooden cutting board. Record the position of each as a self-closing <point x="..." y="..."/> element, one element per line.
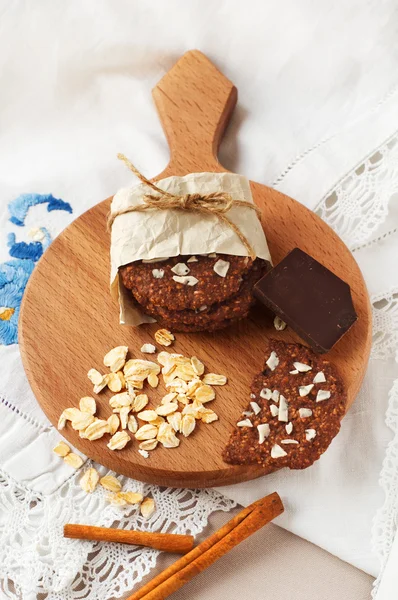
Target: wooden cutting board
<point x="68" y="320"/>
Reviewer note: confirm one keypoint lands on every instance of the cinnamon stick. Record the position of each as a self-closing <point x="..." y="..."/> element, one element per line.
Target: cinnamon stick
<point x="249" y="520"/>
<point x="168" y="542"/>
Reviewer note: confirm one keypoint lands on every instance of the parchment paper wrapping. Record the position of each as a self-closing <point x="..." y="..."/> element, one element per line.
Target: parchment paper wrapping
<point x="164" y="233"/>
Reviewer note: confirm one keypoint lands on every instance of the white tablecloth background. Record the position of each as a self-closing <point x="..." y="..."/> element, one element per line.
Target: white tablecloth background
<point x="318" y="94"/>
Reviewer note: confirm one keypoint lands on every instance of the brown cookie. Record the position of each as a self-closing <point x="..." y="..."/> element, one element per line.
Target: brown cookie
<point x="212" y="317"/>
<point x="309" y="422"/>
<point x="167" y="292"/>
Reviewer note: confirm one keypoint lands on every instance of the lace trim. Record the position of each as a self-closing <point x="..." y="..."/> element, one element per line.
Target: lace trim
<point x="358" y="205"/>
<point x="384" y="526"/>
<point x="385" y="325"/>
<point x="23" y="415"/>
<point x="35" y="554"/>
<point x="328" y="138"/>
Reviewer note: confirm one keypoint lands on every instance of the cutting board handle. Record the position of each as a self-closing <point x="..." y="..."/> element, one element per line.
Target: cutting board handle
<point x="194" y="101"/>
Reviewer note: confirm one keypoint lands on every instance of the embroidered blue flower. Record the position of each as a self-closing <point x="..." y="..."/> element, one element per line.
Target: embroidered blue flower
<point x="19" y="207"/>
<point x="33" y="251"/>
<point x="15" y="273"/>
<point x="14" y="276"/>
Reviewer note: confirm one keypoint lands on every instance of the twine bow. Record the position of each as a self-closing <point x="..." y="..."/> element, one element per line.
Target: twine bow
<point x="214" y="203"/>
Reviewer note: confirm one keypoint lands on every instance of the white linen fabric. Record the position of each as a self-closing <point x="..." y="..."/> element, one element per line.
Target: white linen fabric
<point x="318" y="92"/>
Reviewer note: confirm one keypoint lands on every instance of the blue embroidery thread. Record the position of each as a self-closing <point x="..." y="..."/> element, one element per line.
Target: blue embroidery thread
<point x="14" y="274"/>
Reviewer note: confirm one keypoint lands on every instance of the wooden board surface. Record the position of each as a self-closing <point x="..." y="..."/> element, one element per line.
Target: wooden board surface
<point x="68" y="320"/>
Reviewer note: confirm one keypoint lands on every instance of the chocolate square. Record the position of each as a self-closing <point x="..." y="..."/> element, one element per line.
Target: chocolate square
<point x="312" y="300"/>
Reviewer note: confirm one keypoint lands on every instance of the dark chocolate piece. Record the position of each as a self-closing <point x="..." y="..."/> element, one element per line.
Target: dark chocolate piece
<point x="312" y="300"/>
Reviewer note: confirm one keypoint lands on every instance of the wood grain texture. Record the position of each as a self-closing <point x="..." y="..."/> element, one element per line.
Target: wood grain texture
<point x="68" y="320"/>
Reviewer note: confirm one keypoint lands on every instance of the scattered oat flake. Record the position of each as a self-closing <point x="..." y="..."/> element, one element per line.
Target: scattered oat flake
<point x="146" y="432"/>
<point x="273" y="361"/>
<point x="144" y="453"/>
<point x="88" y="405"/>
<point x="186" y="279"/>
<point x="175" y="421"/>
<point x="119" y="440"/>
<point x="147" y="415"/>
<point x="279" y="324"/>
<point x="138" y="369"/>
<point x="100" y="386"/>
<point x="153" y="380"/>
<point x="205" y="393"/>
<point x="148" y="349"/>
<point x="114" y="382"/>
<point x="294" y="372"/>
<point x="164" y="337"/>
<point x="73" y="460"/>
<point x="97" y="429"/>
<point x="163" y="357"/>
<point x="214" y="379"/>
<point x="95" y="377"/>
<point x="211" y="255"/>
<point x="180" y="269"/>
<point x="120" y="400"/>
<point x="289" y="441"/>
<point x="89" y="480"/>
<point x="81" y="421"/>
<point x="116" y="358"/>
<point x="289" y="428"/>
<point x="67" y="415"/>
<point x="188" y="424"/>
<point x="305" y="412"/>
<point x="147" y="507"/>
<point x="132" y="424"/>
<point x="322" y="395"/>
<point x="117" y="500"/>
<point x="319" y="377"/>
<point x="167" y="437"/>
<point x="139" y="402"/>
<point x="245" y="423"/>
<point x="113" y="422"/>
<point x="131" y="497"/>
<point x="221" y="267"/>
<point x="301" y="367"/>
<point x="110" y="483"/>
<point x="277" y="451"/>
<point x="208" y="416"/>
<point x="256" y="408"/>
<point x="148" y="445"/>
<point x="310" y="434"/>
<point x="124" y="416"/>
<point x="304" y="390"/>
<point x="120" y="374"/>
<point x="197" y="366"/>
<point x="168" y="398"/>
<point x="192" y="259"/>
<point x="263" y="432"/>
<point x="167" y="409"/>
<point x="62" y="449"/>
<point x="158" y="273"/>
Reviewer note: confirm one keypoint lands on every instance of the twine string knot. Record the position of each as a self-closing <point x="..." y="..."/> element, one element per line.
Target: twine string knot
<point x="214" y="203"/>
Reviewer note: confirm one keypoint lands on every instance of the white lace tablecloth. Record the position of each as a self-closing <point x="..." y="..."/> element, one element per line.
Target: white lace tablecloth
<point x="317" y="119"/>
